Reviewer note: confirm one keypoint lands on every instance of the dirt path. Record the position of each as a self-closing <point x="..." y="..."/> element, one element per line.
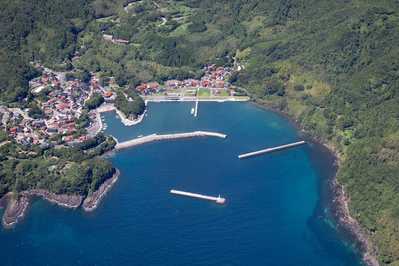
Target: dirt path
<point x="163" y="23"/>
<point x="126" y="7"/>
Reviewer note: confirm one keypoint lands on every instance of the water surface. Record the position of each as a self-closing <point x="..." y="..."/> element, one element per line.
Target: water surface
<point x="275" y="213"/>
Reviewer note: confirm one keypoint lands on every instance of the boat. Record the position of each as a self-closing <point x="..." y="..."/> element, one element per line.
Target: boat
<point x="117" y="117"/>
<point x="102" y="116"/>
<point x="140" y="136"/>
<point x="103" y="119"/>
<point x="192" y="111"/>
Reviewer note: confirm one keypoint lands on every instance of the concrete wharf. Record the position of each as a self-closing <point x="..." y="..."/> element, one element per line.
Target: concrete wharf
<point x="196" y="108"/>
<point x="271" y="149"/>
<point x="155" y="137"/>
<point x="218" y="200"/>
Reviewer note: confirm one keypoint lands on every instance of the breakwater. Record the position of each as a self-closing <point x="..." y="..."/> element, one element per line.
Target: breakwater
<point x="155" y="137"/>
<point x="196" y="108"/>
<point x="218" y="200"/>
<point x="271" y="149"/>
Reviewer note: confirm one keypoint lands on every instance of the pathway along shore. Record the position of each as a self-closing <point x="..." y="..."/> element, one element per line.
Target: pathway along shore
<point x="155" y="137"/>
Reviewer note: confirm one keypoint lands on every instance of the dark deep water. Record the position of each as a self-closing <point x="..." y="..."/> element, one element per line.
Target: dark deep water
<point x="275" y="213"/>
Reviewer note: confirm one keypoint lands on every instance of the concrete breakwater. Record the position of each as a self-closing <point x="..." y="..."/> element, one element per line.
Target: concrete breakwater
<point x="271" y="149"/>
<point x="196" y="108"/>
<point x="218" y="200"/>
<point x="155" y="137"/>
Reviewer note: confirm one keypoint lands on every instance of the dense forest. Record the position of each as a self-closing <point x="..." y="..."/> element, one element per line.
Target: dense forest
<point x="331" y="65"/>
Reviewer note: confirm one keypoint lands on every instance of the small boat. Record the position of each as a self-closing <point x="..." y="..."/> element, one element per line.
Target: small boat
<point x="117" y="117"/>
<point x="192" y="111"/>
<point x="103" y="119"/>
<point x="145" y="114"/>
<point x="140" y="136"/>
<point x="102" y="116"/>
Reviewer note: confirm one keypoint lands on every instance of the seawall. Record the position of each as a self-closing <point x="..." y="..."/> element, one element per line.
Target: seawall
<point x="155" y="137"/>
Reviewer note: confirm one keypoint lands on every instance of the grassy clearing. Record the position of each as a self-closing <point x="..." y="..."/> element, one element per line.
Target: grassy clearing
<point x="204" y="92"/>
<point x="224" y="93"/>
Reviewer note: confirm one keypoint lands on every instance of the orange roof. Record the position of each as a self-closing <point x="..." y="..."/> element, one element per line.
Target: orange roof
<point x="70" y="137"/>
<point x="232" y="90"/>
<point x="64" y="105"/>
<point x="219" y="68"/>
<point x="108" y="94"/>
<point x="57" y="82"/>
<point x="207" y="83"/>
<point x="70" y="130"/>
<point x="71" y="124"/>
<point x="141" y="86"/>
<point x="154" y="85"/>
<point x="195" y="83"/>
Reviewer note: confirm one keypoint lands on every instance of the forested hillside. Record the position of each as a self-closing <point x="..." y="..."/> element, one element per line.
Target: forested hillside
<point x="331" y="65"/>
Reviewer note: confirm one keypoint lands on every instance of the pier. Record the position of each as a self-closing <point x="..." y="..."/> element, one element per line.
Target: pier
<point x="196" y="108"/>
<point x="218" y="200"/>
<point x="155" y="137"/>
<point x="271" y="149"/>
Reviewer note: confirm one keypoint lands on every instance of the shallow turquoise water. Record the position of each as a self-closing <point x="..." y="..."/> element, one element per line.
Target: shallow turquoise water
<point x="275" y="211"/>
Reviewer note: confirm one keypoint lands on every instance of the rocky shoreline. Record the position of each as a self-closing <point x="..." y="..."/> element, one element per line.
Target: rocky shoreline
<point x="16" y="209"/>
<point x="90" y="203"/>
<point x="369" y="256"/>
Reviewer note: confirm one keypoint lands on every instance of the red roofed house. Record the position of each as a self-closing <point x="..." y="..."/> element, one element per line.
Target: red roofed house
<point x="219" y="68"/>
<point x="57" y="82"/>
<point x="108" y="94"/>
<point x="122" y="41"/>
<point x="143" y="86"/>
<point x="82" y="138"/>
<point x="71" y="124"/>
<point x="13" y="129"/>
<point x="75" y="58"/>
<point x="96" y="87"/>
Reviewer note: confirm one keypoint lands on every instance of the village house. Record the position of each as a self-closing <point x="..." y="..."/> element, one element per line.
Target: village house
<point x="108" y="37"/>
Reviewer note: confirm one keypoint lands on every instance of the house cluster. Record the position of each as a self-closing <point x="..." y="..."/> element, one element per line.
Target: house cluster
<point x="146" y="89"/>
<point x="60" y="111"/>
<point x="36" y="65"/>
<point x="111" y="38"/>
<point x="214" y="78"/>
<point x="45" y="79"/>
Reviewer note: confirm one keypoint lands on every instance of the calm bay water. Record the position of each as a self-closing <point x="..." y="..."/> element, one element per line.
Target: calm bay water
<point x="276" y="210"/>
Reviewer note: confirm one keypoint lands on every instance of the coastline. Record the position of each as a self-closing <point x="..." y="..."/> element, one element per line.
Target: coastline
<point x="369" y="257"/>
<point x="17" y="209"/>
<point x="90" y="203"/>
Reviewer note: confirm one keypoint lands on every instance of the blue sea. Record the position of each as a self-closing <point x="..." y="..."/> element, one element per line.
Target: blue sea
<point x="279" y="207"/>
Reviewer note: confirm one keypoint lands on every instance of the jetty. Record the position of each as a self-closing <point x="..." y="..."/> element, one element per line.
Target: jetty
<point x="155" y="137"/>
<point x="218" y="200"/>
<point x="271" y="149"/>
<point x="196" y="107"/>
